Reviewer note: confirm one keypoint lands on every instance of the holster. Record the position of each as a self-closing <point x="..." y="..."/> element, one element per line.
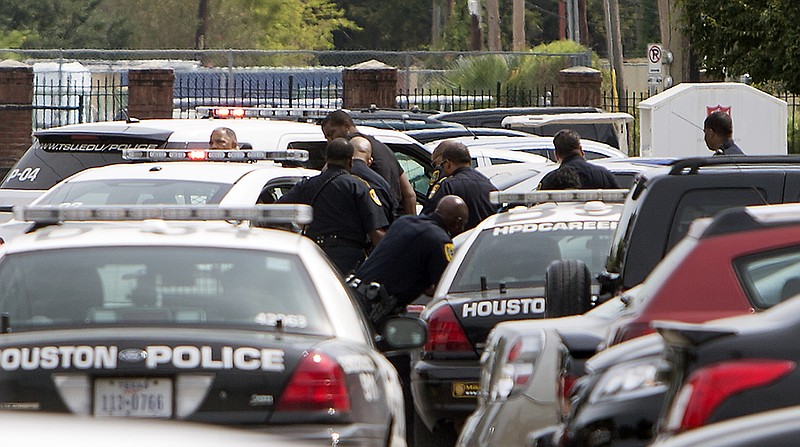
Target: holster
<point x="378" y="304"/>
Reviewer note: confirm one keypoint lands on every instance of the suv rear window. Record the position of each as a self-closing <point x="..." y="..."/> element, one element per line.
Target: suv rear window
<point x="162" y="286"/>
<point x="46" y="163"/>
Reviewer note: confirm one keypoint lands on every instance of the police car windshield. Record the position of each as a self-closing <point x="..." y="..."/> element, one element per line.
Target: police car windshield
<point x="518" y="256"/>
<point x="136" y="192"/>
<point x="164" y="286"/>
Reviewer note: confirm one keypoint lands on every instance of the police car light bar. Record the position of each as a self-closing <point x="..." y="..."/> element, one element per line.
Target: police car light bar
<point x="270" y="214"/>
<point x="299" y="155"/>
<point x="260" y="112"/>
<point x="566" y="195"/>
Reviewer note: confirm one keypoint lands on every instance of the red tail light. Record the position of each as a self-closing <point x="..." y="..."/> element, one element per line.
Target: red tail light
<point x="318" y="383"/>
<point x="445" y="332"/>
<point x="709" y="387"/>
<point x="566" y="381"/>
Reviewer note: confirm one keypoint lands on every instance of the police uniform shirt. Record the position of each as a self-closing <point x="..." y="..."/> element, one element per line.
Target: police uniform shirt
<point x="592" y="176"/>
<point x="378" y="184"/>
<point x="385" y="163"/>
<point x="473" y="187"/>
<point x="411" y="257"/>
<point x="344" y="207"/>
<point x="729" y="148"/>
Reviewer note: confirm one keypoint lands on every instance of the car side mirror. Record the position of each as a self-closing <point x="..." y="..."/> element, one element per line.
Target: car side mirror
<point x="402" y="332"/>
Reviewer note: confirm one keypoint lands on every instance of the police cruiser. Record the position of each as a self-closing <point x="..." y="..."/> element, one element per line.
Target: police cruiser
<point x="188" y="312"/>
<point x="177" y="177"/>
<point x="502" y="272"/>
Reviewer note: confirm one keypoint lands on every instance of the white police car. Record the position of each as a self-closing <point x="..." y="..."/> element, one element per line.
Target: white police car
<point x="177" y="177"/>
<point x="502" y="272"/>
<point x="160" y="316"/>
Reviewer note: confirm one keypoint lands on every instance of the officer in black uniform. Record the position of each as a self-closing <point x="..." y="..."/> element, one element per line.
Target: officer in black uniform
<point x="338" y="124"/>
<point x="362" y="159"/>
<point x="463" y="181"/>
<point x="718" y="134"/>
<point x="346" y="210"/>
<point x="410" y="260"/>
<point x="569" y="153"/>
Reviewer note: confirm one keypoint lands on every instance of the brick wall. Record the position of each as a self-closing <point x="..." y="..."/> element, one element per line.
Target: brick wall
<point x="150" y="93"/>
<point x="16" y="117"/>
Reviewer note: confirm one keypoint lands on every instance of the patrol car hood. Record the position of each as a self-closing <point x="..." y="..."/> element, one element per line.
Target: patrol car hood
<point x="208" y="375"/>
<point x="479" y="311"/>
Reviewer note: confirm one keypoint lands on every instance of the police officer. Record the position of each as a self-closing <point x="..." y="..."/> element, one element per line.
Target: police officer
<point x="346" y="210"/>
<point x="223" y="138"/>
<point x="569" y="153"/>
<point x="410" y="260"/>
<point x="338" y="124"/>
<point x="718" y="134"/>
<point x="463" y="181"/>
<point x="362" y="159"/>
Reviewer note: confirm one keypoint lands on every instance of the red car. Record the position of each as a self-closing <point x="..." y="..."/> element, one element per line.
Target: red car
<point x="699" y="280"/>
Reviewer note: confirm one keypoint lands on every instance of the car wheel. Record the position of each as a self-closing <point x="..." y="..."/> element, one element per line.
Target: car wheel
<point x="567" y="288"/>
<point x="443" y="435"/>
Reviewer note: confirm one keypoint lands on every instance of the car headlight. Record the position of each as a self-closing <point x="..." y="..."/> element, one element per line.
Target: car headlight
<point x="629" y="380"/>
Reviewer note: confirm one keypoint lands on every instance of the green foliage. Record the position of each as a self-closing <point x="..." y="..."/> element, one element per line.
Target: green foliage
<point x="397" y="25"/>
<point x="733" y="37"/>
<point x="514" y="71"/>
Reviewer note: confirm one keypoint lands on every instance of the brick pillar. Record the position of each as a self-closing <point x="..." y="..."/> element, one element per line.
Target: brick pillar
<point x="16" y="118"/>
<point x="150" y="93"/>
<point x="579" y="86"/>
<point x="370" y="82"/>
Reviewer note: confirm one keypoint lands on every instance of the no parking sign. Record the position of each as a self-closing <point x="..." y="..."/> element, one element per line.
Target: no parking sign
<point x="654" y="54"/>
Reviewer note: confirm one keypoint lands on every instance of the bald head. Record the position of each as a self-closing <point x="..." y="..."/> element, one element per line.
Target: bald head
<point x="454" y="213"/>
<point x="362" y="149"/>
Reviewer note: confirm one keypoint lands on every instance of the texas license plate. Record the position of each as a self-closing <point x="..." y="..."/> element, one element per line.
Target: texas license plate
<point x="133" y="397"/>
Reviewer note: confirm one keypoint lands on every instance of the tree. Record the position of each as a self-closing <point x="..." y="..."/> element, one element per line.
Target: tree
<point x="397" y="25"/>
<point x="760" y="37"/>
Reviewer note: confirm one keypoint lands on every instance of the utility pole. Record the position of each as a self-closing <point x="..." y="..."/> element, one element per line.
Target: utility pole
<point x="614" y="39"/>
<point x="493" y="20"/>
<point x="518" y="25"/>
<point x="562" y="19"/>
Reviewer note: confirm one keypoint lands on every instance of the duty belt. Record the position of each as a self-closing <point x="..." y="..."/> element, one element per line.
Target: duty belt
<point x="334" y="240"/>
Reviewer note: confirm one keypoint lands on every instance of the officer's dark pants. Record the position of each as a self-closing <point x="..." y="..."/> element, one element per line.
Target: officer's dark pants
<point x="345" y="257"/>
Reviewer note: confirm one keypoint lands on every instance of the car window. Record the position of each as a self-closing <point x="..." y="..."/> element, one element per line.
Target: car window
<point x="136" y="192"/>
<point x="501" y="161"/>
<point x="529" y="249"/>
<point x="772" y="277"/>
<point x="544" y="152"/>
<point x="194" y="286"/>
<point x="707" y="202"/>
<point x="416" y="172"/>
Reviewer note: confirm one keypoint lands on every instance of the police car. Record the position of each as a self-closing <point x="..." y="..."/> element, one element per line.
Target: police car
<point x="177" y="177"/>
<point x="142" y="311"/>
<point x="59" y="152"/>
<point x="502" y="272"/>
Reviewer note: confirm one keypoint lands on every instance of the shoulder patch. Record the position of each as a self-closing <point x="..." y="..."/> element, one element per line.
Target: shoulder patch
<point x="449" y="251"/>
<point x="375" y="197"/>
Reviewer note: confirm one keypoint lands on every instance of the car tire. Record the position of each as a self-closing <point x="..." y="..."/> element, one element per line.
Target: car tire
<point x="567" y="288"/>
<point x="443" y="435"/>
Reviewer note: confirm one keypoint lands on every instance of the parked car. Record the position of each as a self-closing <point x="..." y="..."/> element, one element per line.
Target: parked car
<point x="498" y="274"/>
<point x="425" y="136"/>
<point x="184" y="312"/>
<point x="751" y="253"/>
<point x="187" y="177"/>
<point x="59" y="152"/>
<point x="493" y="117"/>
<point x="521" y="388"/>
<point x="610" y="128"/>
<point x="535" y="145"/>
<point x="776" y="428"/>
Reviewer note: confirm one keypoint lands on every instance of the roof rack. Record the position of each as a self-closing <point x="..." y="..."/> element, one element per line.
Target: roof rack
<point x="693" y="164"/>
<point x="298" y="155"/>
<point x="566" y="195"/>
<point x="269" y="214"/>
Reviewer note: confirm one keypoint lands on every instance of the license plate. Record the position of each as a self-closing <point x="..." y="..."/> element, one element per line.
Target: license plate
<point x="133" y="397"/>
<point x="466" y="389"/>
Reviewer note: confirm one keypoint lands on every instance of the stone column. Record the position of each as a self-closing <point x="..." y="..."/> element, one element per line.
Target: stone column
<point x="579" y="86"/>
<point x="16" y="116"/>
<point x="371" y="82"/>
<point x="150" y="93"/>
